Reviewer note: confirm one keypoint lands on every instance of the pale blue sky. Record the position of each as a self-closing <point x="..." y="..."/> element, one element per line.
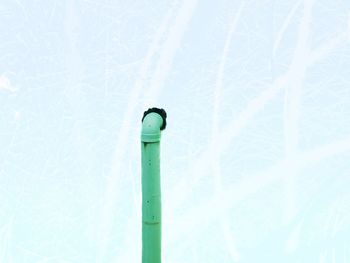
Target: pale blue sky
<point x="255" y="157"/>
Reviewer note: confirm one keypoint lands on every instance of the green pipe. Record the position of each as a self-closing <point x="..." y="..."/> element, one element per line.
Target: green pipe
<point x="153" y="121"/>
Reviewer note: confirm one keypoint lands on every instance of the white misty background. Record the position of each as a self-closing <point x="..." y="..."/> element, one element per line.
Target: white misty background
<point x="255" y="158"/>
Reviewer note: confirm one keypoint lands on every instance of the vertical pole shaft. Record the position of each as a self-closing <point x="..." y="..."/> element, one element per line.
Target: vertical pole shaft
<point x="153" y="121"/>
<point x="151" y="203"/>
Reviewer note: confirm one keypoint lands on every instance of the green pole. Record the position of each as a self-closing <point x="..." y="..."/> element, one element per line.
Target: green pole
<point x="153" y="121"/>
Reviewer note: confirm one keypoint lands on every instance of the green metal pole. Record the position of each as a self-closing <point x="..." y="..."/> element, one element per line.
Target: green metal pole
<point x="153" y="121"/>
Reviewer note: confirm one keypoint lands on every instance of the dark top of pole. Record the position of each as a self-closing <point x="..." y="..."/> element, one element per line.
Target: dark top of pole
<point x="161" y="112"/>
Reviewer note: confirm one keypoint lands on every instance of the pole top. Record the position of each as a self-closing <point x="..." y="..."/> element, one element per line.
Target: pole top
<point x="161" y="112"/>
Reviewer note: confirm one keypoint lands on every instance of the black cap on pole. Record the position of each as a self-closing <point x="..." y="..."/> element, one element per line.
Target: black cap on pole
<point x="161" y="112"/>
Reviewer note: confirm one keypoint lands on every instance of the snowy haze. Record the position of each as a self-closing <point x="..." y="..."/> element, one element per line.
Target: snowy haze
<point x="256" y="155"/>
